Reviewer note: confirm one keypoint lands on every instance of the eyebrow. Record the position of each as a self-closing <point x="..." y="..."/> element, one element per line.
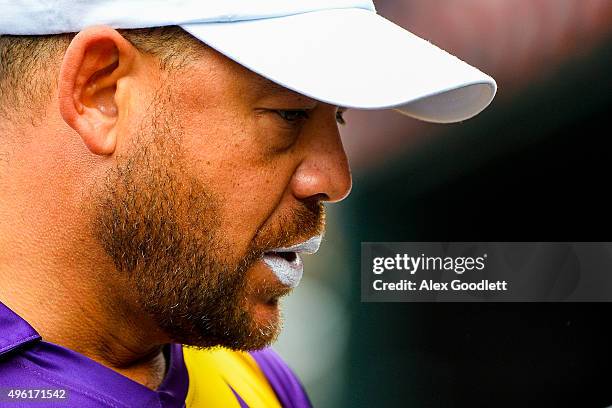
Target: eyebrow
<point x="266" y="86"/>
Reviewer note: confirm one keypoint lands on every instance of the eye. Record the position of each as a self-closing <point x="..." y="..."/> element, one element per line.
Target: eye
<point x="293" y="115"/>
<point x="340" y="117"/>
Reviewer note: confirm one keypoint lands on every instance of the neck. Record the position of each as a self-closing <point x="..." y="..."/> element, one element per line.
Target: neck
<point x="86" y="318"/>
<point x="55" y="275"/>
<point x="74" y="297"/>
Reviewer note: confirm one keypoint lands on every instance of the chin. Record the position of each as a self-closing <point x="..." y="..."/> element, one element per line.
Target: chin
<point x="266" y="321"/>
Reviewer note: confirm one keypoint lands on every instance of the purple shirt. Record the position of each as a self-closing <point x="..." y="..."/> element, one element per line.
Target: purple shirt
<point x="37" y="373"/>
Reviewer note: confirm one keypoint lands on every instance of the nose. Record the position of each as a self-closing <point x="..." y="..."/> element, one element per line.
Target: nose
<point x="324" y="172"/>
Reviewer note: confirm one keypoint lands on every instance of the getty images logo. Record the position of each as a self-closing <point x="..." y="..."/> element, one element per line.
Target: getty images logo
<point x="413" y="264"/>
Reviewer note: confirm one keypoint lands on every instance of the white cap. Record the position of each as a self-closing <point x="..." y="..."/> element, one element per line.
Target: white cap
<point x="335" y="51"/>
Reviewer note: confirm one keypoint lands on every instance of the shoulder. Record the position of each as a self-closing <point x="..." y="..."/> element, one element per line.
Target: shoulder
<point x="281" y="377"/>
<point x="259" y="377"/>
<point x="29" y="375"/>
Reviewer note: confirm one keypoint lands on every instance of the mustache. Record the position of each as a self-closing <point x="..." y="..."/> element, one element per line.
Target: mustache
<point x="291" y="227"/>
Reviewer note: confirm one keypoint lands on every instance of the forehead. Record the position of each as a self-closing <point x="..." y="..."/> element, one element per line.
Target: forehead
<point x="235" y="77"/>
<point x="265" y="86"/>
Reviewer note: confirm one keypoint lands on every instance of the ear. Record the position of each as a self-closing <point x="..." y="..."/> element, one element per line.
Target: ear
<point x="91" y="86"/>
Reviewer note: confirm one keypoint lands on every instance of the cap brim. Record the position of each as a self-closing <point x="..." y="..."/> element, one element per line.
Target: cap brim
<point x="356" y="59"/>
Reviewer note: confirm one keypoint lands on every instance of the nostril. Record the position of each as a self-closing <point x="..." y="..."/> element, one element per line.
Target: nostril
<point x="317" y="198"/>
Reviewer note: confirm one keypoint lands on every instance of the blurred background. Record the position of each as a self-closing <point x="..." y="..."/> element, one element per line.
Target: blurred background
<point x="535" y="166"/>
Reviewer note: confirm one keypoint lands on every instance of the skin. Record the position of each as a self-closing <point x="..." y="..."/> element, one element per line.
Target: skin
<point x="259" y="163"/>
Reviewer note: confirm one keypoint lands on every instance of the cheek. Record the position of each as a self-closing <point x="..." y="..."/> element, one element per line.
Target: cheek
<point x="247" y="206"/>
<point x="225" y="156"/>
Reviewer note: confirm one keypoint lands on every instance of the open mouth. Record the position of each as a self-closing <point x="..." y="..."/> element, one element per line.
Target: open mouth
<point x="286" y="263"/>
<point x="287" y="266"/>
<point x="287" y="256"/>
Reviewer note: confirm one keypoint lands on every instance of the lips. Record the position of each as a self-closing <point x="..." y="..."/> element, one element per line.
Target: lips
<point x="286" y="262"/>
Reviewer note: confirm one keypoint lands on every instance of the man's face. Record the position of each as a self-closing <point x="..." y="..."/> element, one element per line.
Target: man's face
<point x="221" y="168"/>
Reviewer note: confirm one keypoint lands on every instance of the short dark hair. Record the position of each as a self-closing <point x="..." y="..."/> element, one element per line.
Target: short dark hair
<point x="29" y="65"/>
